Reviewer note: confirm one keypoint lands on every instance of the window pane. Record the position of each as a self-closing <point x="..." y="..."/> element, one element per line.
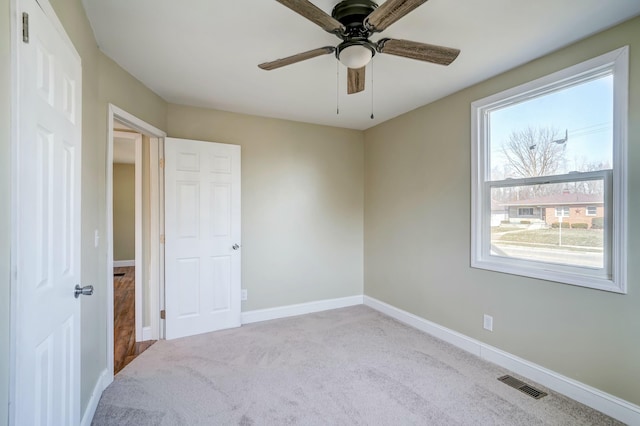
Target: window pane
<point x="559" y="230"/>
<point x="555" y="133"/>
<point x="542" y="153"/>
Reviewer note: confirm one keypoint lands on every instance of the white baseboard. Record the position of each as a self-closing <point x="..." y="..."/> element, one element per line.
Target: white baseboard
<point x="104" y="380"/>
<point x="608" y="404"/>
<point x="146" y="334"/>
<point x="123" y="263"/>
<point x="299" y="309"/>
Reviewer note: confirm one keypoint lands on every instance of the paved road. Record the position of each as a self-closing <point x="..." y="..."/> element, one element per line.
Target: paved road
<point x="552" y="255"/>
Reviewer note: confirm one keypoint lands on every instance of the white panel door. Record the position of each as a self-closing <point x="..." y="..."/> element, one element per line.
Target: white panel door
<point x="202" y="234"/>
<point x="47" y="238"/>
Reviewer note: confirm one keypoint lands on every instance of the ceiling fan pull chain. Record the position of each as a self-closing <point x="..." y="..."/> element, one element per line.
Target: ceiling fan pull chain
<point x="337" y="88"/>
<point x="372" y="117"/>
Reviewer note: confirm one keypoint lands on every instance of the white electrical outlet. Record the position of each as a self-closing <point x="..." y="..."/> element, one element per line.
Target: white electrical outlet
<point x="243" y="294"/>
<point x="96" y="238"/>
<point x="488" y="322"/>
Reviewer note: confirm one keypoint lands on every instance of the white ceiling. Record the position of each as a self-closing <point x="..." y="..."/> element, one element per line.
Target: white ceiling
<point x="205" y="52"/>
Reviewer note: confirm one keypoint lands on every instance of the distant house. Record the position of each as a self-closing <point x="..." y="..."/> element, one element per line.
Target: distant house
<point x="499" y="213"/>
<point x="566" y="207"/>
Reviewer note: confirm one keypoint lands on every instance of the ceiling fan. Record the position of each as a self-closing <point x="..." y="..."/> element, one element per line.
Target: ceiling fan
<point x="354" y="21"/>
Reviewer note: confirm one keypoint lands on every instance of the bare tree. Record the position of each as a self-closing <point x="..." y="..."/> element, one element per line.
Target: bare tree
<point x="591" y="186"/>
<point x="534" y="152"/>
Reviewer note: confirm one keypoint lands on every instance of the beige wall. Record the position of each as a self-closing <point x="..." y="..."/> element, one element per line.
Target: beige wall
<point x="5" y="212"/>
<point x="303" y="218"/>
<point x="417" y="238"/>
<point x="118" y="87"/>
<point x="124" y="212"/>
<point x="302" y="204"/>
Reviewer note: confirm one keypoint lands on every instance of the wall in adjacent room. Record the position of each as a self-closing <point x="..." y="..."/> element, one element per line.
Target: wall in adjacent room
<point x="302" y="203"/>
<point x="124" y="211"/>
<point x="417" y="238"/>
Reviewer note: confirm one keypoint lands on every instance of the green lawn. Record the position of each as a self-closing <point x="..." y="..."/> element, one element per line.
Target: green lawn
<point x="570" y="237"/>
<point x="498" y="229"/>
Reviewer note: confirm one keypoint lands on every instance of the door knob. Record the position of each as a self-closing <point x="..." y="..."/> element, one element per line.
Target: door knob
<point x="85" y="291"/>
<point x="235" y="246"/>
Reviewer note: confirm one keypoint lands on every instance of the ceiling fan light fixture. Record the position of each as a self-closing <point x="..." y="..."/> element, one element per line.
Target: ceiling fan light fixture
<point x="355" y="56"/>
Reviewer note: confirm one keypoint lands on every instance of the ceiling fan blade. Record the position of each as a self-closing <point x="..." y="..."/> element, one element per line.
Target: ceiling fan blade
<point x="297" y="58"/>
<point x="389" y="12"/>
<point x="355" y="80"/>
<point x="420" y="51"/>
<point x="314" y="14"/>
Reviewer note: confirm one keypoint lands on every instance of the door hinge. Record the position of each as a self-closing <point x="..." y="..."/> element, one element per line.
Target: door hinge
<point x="25" y="27"/>
<point x="163" y="314"/>
<point x="162" y="239"/>
<point x="162" y="163"/>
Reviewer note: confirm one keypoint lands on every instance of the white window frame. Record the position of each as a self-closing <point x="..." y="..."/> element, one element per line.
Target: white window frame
<point x="562" y="211"/>
<point x="591" y="214"/>
<point x="613" y="276"/>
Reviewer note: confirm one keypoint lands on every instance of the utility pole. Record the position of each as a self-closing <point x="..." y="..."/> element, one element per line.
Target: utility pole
<point x="562" y="141"/>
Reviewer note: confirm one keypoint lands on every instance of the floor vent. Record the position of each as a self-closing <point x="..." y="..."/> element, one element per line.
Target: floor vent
<point x="522" y="387"/>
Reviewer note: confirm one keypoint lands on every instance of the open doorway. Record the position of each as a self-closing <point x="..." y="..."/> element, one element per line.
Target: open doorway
<point x="134" y="265"/>
<point x="131" y="202"/>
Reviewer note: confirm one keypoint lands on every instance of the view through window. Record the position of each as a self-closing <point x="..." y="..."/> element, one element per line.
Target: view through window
<point x="545" y="175"/>
<point x="566" y="132"/>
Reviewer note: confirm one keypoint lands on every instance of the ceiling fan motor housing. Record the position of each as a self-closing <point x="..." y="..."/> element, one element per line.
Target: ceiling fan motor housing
<point x="351" y="14"/>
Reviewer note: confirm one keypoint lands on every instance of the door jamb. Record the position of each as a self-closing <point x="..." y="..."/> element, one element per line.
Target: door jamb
<point x="157" y="234"/>
<point x="157" y="136"/>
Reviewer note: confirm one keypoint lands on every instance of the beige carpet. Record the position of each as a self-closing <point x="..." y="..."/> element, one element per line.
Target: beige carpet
<point x="351" y="366"/>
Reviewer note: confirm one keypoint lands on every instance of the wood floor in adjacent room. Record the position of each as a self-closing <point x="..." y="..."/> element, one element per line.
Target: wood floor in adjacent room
<point x="125" y="348"/>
